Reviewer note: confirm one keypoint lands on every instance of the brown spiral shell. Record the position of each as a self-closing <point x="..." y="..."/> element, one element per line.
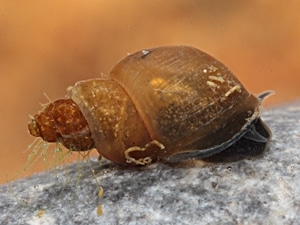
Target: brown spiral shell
<point x="166" y="102"/>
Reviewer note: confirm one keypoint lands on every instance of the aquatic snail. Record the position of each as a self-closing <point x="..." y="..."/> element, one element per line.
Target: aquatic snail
<point x="173" y="103"/>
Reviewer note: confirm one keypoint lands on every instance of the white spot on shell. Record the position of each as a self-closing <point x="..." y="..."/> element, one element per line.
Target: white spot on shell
<point x="210" y="69"/>
<point x="145" y="52"/>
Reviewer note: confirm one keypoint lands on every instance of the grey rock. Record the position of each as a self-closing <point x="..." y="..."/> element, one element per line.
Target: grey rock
<point x="263" y="190"/>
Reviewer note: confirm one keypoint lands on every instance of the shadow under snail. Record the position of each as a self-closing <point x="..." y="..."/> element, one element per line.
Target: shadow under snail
<point x="173" y="102"/>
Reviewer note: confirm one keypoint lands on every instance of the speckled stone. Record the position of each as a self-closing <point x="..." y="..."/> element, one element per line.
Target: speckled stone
<point x="264" y="190"/>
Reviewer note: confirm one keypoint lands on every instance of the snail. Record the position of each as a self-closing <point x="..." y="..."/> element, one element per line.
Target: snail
<point x="173" y="103"/>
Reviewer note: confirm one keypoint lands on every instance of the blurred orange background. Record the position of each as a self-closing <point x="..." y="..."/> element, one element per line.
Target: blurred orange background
<point x="46" y="46"/>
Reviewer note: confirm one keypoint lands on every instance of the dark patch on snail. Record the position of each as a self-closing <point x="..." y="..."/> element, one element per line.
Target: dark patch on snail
<point x="245" y="147"/>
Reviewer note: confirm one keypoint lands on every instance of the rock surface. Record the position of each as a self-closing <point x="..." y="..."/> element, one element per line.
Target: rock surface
<point x="264" y="190"/>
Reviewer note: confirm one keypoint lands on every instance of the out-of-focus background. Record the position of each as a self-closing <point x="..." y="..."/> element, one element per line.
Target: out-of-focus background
<point x="46" y="46"/>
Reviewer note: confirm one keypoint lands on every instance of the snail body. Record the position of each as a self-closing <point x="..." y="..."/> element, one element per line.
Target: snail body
<point x="168" y="102"/>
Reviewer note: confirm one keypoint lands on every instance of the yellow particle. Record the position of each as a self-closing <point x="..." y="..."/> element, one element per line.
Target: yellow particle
<point x="157" y="82"/>
<point x="233" y="89"/>
<point x="210" y="83"/>
<point x="99" y="210"/>
<point x="100" y="192"/>
<point x="212" y="69"/>
<point x="40" y="213"/>
<point x="141" y="161"/>
<point x="217" y="78"/>
<point x="157" y="143"/>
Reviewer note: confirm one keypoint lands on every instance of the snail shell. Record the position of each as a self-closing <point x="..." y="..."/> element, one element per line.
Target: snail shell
<point x="171" y="102"/>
